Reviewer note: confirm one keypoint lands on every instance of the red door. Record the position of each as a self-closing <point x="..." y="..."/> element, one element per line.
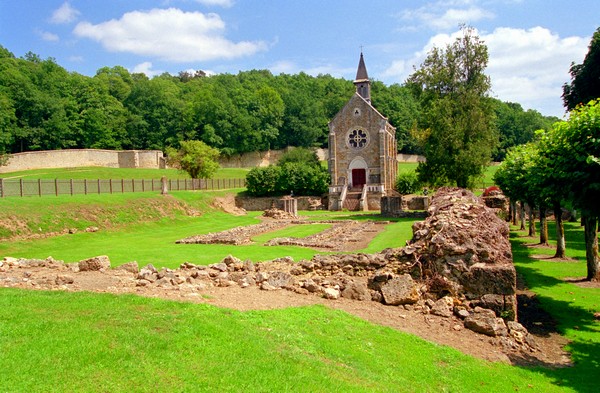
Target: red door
<point x="359" y="177"/>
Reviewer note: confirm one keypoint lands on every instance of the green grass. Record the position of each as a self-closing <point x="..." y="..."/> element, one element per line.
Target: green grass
<point x="572" y="306"/>
<point x="84" y="342"/>
<point x="117" y="173"/>
<point x="126" y="239"/>
<point x="407" y="167"/>
<point x="486" y="180"/>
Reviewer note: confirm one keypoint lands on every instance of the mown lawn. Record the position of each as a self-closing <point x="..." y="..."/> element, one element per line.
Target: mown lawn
<point x="84" y="342"/>
<point x="154" y="241"/>
<point x="117" y="173"/>
<point x="572" y="305"/>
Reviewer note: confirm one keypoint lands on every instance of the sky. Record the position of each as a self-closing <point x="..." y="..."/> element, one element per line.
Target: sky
<point x="531" y="43"/>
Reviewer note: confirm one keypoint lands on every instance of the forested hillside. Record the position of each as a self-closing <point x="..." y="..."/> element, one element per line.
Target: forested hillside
<point x="44" y="107"/>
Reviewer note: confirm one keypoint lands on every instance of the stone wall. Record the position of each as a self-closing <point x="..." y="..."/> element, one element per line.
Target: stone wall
<point x="266" y="203"/>
<point x="72" y="158"/>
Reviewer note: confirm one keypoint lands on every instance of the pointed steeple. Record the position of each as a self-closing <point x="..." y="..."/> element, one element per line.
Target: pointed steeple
<point x="362" y="82"/>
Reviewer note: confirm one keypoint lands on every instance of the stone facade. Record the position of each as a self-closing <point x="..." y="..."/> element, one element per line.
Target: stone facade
<point x="362" y="150"/>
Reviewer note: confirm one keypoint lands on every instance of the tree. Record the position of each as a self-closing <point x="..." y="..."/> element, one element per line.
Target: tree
<point x="585" y="77"/>
<point x="575" y="150"/>
<point x="517" y="126"/>
<point x="512" y="177"/>
<point x="457" y="122"/>
<point x="299" y="155"/>
<point x="196" y="158"/>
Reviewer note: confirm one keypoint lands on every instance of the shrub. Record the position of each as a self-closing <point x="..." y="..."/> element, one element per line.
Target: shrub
<point x="303" y="179"/>
<point x="298" y="172"/>
<point x="407" y="183"/>
<point x="264" y="181"/>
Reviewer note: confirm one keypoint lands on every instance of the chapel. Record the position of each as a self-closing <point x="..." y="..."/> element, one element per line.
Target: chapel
<point x="362" y="151"/>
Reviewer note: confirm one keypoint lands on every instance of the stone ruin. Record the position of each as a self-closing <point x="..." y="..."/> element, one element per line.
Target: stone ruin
<point x="457" y="265"/>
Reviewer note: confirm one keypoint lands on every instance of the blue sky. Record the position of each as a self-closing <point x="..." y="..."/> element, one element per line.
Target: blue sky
<point x="531" y="43"/>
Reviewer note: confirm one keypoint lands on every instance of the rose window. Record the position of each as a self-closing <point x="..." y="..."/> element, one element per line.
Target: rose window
<point x="357" y="139"/>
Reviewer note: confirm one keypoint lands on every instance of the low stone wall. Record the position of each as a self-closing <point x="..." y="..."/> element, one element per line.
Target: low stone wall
<point x="265" y="203"/>
<point x="72" y="158"/>
<point x="410" y="158"/>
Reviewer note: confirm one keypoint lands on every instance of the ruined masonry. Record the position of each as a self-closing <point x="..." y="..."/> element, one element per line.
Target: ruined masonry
<point x="458" y="265"/>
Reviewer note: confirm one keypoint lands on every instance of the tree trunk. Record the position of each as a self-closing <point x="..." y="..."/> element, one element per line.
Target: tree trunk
<point x="522" y="216"/>
<point x="531" y="221"/>
<point x="513" y="212"/>
<point x="560" y="232"/>
<point x="543" y="227"/>
<point x="591" y="248"/>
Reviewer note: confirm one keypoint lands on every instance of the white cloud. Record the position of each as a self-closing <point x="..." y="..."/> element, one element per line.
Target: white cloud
<point x="47" y="36"/>
<point x="76" y="59"/>
<point x="444" y="15"/>
<point x="530" y="66"/>
<point x="64" y="14"/>
<point x="146" y="68"/>
<point x="169" y="34"/>
<point x="526" y="66"/>
<point x="220" y="3"/>
<point x="285" y="67"/>
<point x="330" y="69"/>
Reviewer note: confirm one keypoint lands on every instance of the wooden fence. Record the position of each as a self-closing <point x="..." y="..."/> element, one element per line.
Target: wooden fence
<point x="41" y="187"/>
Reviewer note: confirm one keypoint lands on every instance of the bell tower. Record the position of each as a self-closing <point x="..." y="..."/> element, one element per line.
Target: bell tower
<point x="362" y="82"/>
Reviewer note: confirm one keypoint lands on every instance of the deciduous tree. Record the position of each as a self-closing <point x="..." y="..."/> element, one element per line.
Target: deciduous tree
<point x="457" y="122"/>
<point x="585" y="77"/>
<point x="196" y="158"/>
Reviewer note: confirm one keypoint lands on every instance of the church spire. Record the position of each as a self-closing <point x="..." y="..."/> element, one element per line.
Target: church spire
<point x="362" y="82"/>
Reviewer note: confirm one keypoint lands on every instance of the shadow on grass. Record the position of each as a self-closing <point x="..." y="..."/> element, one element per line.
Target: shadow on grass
<point x="585" y="352"/>
<point x="574" y="322"/>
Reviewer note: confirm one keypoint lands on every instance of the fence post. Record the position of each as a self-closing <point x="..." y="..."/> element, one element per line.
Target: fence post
<point x="85" y="186"/>
<point x="110" y="185"/>
<point x="122" y="185"/>
<point x="98" y="186"/>
<point x="40" y="187"/>
<point x="1" y="187"/>
<point x="21" y="186"/>
<point x="164" y="190"/>
<point x="56" y="187"/>
<point x="71" y="185"/>
<point x="132" y="185"/>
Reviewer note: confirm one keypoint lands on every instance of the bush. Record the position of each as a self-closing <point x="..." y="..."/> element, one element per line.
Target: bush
<point x="408" y="183"/>
<point x="297" y="178"/>
<point x="304" y="179"/>
<point x="264" y="181"/>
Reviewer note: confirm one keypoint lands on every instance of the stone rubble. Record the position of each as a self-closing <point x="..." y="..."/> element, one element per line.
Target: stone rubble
<point x="458" y="266"/>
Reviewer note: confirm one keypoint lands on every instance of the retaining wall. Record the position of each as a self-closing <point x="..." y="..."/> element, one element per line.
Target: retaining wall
<point x="72" y="158"/>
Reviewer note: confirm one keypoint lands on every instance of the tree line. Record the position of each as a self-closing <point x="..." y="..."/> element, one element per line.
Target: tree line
<point x="561" y="167"/>
<point x="45" y="107"/>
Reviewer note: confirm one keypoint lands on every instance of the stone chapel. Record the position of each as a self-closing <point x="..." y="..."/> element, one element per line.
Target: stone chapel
<point x="362" y="151"/>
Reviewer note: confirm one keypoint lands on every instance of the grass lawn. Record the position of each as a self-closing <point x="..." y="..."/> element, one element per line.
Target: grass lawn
<point x="571" y="305"/>
<point x="83" y="342"/>
<point x="117" y="173"/>
<point x="154" y="242"/>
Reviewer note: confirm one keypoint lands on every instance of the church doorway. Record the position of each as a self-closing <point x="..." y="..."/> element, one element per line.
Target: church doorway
<point x="359" y="177"/>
